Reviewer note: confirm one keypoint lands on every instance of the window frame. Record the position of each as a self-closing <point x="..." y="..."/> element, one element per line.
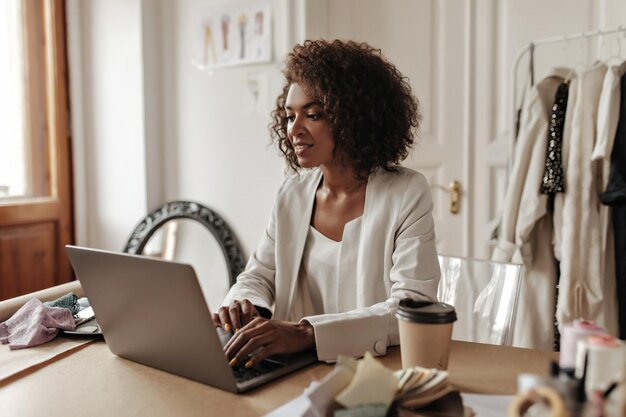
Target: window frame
<point x="56" y="205"/>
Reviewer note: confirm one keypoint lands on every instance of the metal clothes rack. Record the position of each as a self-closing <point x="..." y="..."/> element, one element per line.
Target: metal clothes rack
<point x="530" y="48"/>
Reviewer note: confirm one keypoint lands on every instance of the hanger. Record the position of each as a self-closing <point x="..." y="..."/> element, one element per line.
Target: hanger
<point x="572" y="71"/>
<point x="617" y="55"/>
<point x="582" y="63"/>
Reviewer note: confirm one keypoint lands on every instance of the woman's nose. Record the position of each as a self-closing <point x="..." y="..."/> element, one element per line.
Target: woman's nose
<point x="296" y="128"/>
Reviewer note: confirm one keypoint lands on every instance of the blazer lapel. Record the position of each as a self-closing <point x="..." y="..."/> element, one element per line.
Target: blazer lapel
<point x="300" y="211"/>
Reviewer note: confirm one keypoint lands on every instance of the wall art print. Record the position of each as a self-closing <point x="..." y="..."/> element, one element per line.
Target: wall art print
<point x="234" y="33"/>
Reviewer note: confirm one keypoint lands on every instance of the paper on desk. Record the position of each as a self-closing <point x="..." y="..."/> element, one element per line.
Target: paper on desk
<point x="372" y="384"/>
<point x="323" y="395"/>
<point x="487" y="405"/>
<point x="318" y="397"/>
<point x="86" y="313"/>
<point x="357" y="383"/>
<point x="296" y="407"/>
<point x="413" y="379"/>
<point x="348" y="362"/>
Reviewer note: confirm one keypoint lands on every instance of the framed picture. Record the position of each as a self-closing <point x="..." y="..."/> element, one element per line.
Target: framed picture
<point x="235" y="33"/>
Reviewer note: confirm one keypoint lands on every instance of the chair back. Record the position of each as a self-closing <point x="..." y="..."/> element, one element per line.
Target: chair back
<point x="484" y="294"/>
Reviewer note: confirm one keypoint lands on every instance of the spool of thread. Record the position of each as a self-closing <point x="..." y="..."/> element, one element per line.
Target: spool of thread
<point x="606" y="362"/>
<point x="570" y="335"/>
<point x="566" y="387"/>
<point x="545" y="396"/>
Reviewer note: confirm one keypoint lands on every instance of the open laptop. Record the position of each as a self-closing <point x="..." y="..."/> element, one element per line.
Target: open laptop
<point x="153" y="312"/>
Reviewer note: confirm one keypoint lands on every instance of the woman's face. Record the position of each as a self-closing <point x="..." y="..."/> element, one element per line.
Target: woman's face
<point x="308" y="129"/>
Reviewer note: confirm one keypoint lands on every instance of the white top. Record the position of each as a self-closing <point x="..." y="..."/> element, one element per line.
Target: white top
<point x="318" y="276"/>
<point x="393" y="253"/>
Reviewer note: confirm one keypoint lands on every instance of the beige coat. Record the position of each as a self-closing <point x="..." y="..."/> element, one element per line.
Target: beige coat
<point x="395" y="258"/>
<point x="526" y="231"/>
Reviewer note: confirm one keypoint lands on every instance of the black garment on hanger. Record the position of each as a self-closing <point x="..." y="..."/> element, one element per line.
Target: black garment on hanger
<point x="552" y="181"/>
<point x="615" y="196"/>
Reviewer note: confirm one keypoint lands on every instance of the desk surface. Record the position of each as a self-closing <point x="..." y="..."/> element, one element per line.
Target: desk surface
<point x="93" y="380"/>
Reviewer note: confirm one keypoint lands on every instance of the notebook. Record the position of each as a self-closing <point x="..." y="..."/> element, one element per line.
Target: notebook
<point x="153" y="312"/>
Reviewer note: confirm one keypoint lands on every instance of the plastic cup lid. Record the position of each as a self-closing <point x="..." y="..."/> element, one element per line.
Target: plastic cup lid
<point x="421" y="311"/>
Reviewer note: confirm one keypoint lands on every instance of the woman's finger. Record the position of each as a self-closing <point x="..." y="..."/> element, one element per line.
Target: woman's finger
<point x="268" y="350"/>
<point x="254" y="346"/>
<point x="248" y="312"/>
<point x="224" y="318"/>
<point x="216" y="320"/>
<point x="234" y="312"/>
<point x="252" y="329"/>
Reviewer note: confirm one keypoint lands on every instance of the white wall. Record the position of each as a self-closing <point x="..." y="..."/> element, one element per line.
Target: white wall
<point x="219" y="140"/>
<point x="149" y="127"/>
<point x="108" y="131"/>
<point x="425" y="40"/>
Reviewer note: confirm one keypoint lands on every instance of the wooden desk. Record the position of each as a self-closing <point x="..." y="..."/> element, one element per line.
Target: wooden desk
<point x="98" y="383"/>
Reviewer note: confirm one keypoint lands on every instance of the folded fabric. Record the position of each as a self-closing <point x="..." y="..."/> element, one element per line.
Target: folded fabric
<point x="69" y="301"/>
<point x="34" y="324"/>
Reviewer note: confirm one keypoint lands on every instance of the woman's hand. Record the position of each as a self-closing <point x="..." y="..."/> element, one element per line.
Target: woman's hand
<point x="236" y="315"/>
<point x="265" y="337"/>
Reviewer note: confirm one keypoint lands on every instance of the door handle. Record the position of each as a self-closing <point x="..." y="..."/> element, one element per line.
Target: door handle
<point x="454" y="192"/>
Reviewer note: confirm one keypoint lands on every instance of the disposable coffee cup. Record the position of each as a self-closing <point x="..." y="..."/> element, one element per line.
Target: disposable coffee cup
<point x="425" y="333"/>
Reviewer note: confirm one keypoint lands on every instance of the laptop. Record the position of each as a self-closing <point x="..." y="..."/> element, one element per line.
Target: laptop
<point x="153" y="312"/>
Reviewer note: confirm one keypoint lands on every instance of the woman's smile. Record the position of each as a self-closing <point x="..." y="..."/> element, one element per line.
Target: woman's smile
<point x="302" y="149"/>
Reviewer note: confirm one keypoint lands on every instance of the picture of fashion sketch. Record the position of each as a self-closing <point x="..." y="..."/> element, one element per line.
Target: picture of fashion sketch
<point x="234" y="34"/>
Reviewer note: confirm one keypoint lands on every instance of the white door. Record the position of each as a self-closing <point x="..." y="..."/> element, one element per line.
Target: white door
<point x="425" y="39"/>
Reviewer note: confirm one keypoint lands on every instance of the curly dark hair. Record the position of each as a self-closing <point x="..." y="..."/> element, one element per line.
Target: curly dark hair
<point x="372" y="111"/>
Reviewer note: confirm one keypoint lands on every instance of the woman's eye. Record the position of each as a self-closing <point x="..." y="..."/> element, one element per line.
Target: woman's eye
<point x="290" y="118"/>
<point x="313" y="116"/>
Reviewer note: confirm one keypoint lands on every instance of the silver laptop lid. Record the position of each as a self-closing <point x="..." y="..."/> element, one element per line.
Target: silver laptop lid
<point x="153" y="312"/>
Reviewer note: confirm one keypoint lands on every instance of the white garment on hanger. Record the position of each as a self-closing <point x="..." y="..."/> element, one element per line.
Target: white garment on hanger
<point x="582" y="286"/>
<point x="526" y="226"/>
<point x="608" y="118"/>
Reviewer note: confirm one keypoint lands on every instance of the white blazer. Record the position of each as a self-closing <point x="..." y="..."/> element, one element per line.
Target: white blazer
<point x="396" y="258"/>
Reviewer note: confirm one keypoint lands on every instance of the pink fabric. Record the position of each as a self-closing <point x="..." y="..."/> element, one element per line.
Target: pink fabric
<point x="34" y="324"/>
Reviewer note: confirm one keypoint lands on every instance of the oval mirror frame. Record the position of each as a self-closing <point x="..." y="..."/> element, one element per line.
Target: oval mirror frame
<point x="182" y="209"/>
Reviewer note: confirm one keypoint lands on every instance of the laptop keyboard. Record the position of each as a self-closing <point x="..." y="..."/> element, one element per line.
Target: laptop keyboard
<point x="244" y="374"/>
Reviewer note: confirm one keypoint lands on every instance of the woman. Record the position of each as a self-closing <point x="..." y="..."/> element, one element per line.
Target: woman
<point x="351" y="233"/>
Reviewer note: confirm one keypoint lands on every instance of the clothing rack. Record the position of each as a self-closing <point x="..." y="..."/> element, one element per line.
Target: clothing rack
<point x="530" y="49"/>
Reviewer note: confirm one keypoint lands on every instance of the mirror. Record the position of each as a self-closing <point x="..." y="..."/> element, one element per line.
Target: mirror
<point x="189" y="232"/>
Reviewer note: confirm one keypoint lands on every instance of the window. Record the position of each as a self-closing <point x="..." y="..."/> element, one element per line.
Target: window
<point x="35" y="175"/>
<point x="24" y="156"/>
